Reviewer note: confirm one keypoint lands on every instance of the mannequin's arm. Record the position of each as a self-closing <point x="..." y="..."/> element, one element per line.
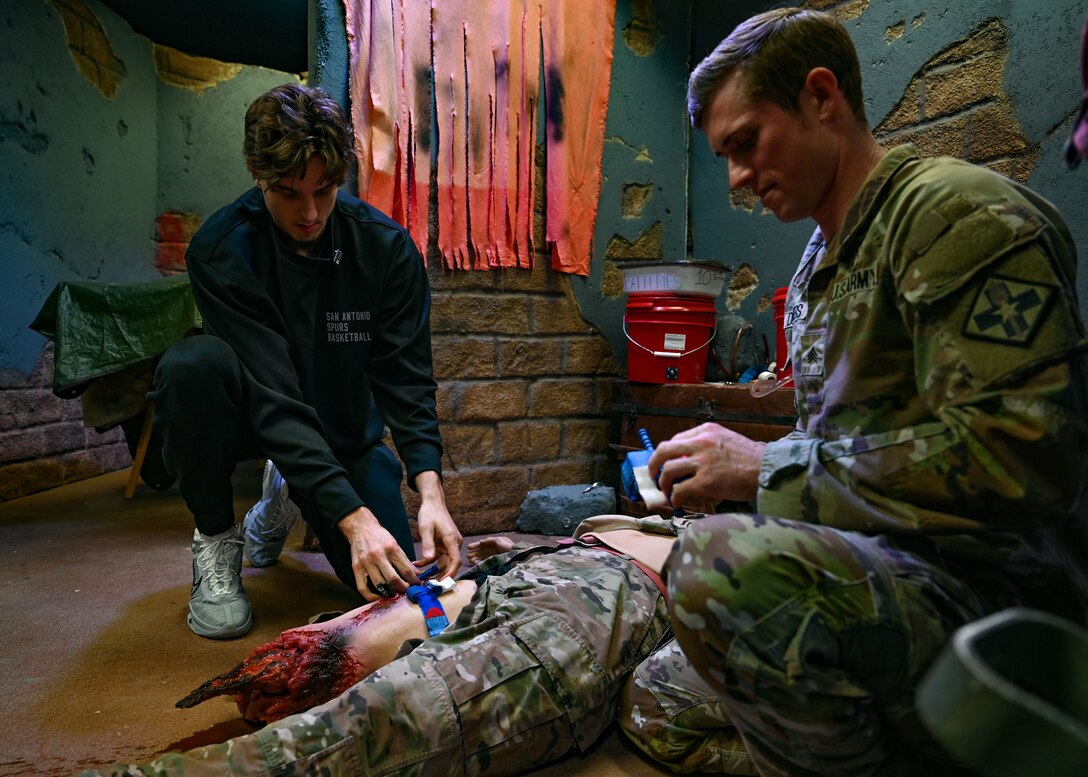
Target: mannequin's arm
<point x="312" y="664"/>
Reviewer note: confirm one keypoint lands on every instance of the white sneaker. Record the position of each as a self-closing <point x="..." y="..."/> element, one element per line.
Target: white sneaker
<point x="218" y="605"/>
<point x="268" y="522"/>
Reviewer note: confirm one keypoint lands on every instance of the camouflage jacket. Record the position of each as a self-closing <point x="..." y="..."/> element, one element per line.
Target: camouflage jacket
<point x="932" y="343"/>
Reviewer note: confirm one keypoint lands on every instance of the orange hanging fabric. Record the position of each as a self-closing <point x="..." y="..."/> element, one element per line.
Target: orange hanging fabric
<point x="498" y="229"/>
<point x="417" y="136"/>
<point x="577" y="71"/>
<point x="480" y="64"/>
<point x="375" y="90"/>
<point x="384" y="107"/>
<point x="486" y="34"/>
<point x="523" y="86"/>
<point x="448" y="42"/>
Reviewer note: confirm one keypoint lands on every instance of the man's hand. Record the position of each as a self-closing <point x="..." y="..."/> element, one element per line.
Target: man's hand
<point x="375" y="555"/>
<point x="711" y="461"/>
<point x="439" y="537"/>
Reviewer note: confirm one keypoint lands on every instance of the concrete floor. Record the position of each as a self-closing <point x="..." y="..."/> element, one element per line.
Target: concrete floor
<point x="93" y="592"/>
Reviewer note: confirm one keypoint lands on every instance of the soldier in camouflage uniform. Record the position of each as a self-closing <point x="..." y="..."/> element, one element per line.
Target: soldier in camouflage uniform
<point x="531" y="669"/>
<point x="938" y="358"/>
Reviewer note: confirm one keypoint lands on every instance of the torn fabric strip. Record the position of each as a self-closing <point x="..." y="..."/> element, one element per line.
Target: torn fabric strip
<point x="479" y="66"/>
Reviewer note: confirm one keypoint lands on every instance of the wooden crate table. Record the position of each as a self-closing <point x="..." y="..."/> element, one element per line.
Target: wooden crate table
<point x="663" y="410"/>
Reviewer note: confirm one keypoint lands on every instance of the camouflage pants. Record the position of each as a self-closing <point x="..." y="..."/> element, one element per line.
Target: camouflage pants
<point x="673" y="715"/>
<point x="531" y="668"/>
<point x="809" y="642"/>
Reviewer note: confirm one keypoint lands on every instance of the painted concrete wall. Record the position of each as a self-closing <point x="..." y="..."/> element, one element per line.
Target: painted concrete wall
<point x="329" y="48"/>
<point x="646" y="145"/>
<point x="1042" y="80"/>
<point x="100" y="131"/>
<point x="759" y="252"/>
<point x="200" y="128"/>
<point x="895" y="42"/>
<point x="329" y="59"/>
<point x="77" y="170"/>
<point x="87" y="163"/>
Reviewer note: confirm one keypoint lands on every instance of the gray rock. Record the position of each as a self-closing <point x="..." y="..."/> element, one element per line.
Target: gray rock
<point x="559" y="509"/>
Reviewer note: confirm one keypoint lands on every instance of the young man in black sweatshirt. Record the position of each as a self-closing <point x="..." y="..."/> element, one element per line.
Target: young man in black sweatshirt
<point x="316" y="310"/>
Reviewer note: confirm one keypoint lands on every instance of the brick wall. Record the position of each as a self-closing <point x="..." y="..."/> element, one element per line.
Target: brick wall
<point x="173" y="231"/>
<point x="43" y="443"/>
<point x="525" y="391"/>
<point x="956" y="105"/>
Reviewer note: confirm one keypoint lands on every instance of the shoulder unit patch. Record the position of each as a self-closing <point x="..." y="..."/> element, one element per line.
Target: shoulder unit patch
<point x="1008" y="310"/>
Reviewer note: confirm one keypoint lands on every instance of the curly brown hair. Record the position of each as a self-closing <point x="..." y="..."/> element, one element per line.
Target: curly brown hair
<point x="287" y="125"/>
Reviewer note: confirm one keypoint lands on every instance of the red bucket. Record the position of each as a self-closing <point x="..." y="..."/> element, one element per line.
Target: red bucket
<point x="668" y="337"/>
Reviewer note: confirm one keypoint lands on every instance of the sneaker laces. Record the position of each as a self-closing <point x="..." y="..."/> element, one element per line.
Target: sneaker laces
<point x="216" y="561"/>
<point x="277" y="523"/>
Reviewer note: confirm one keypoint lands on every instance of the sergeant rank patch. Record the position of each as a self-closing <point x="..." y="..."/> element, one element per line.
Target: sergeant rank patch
<point x="1008" y="311"/>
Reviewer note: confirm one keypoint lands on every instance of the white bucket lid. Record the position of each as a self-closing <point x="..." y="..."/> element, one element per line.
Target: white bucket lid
<point x="680" y="277"/>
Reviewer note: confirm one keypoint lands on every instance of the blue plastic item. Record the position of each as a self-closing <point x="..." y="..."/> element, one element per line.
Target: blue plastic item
<point x="632" y="460"/>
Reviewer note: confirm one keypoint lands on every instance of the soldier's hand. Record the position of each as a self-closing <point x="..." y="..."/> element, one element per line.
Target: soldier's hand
<point x="707" y="462"/>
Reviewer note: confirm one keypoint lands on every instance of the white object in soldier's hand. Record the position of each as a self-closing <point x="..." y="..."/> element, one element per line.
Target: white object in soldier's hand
<point x="648" y="490"/>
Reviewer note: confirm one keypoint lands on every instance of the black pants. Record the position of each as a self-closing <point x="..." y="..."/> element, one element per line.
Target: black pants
<point x="201" y="396"/>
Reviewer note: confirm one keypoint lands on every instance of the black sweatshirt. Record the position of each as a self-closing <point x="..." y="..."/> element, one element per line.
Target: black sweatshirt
<point x="316" y="335"/>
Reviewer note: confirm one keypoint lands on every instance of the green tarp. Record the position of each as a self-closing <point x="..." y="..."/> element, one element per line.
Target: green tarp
<point x="101" y="328"/>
